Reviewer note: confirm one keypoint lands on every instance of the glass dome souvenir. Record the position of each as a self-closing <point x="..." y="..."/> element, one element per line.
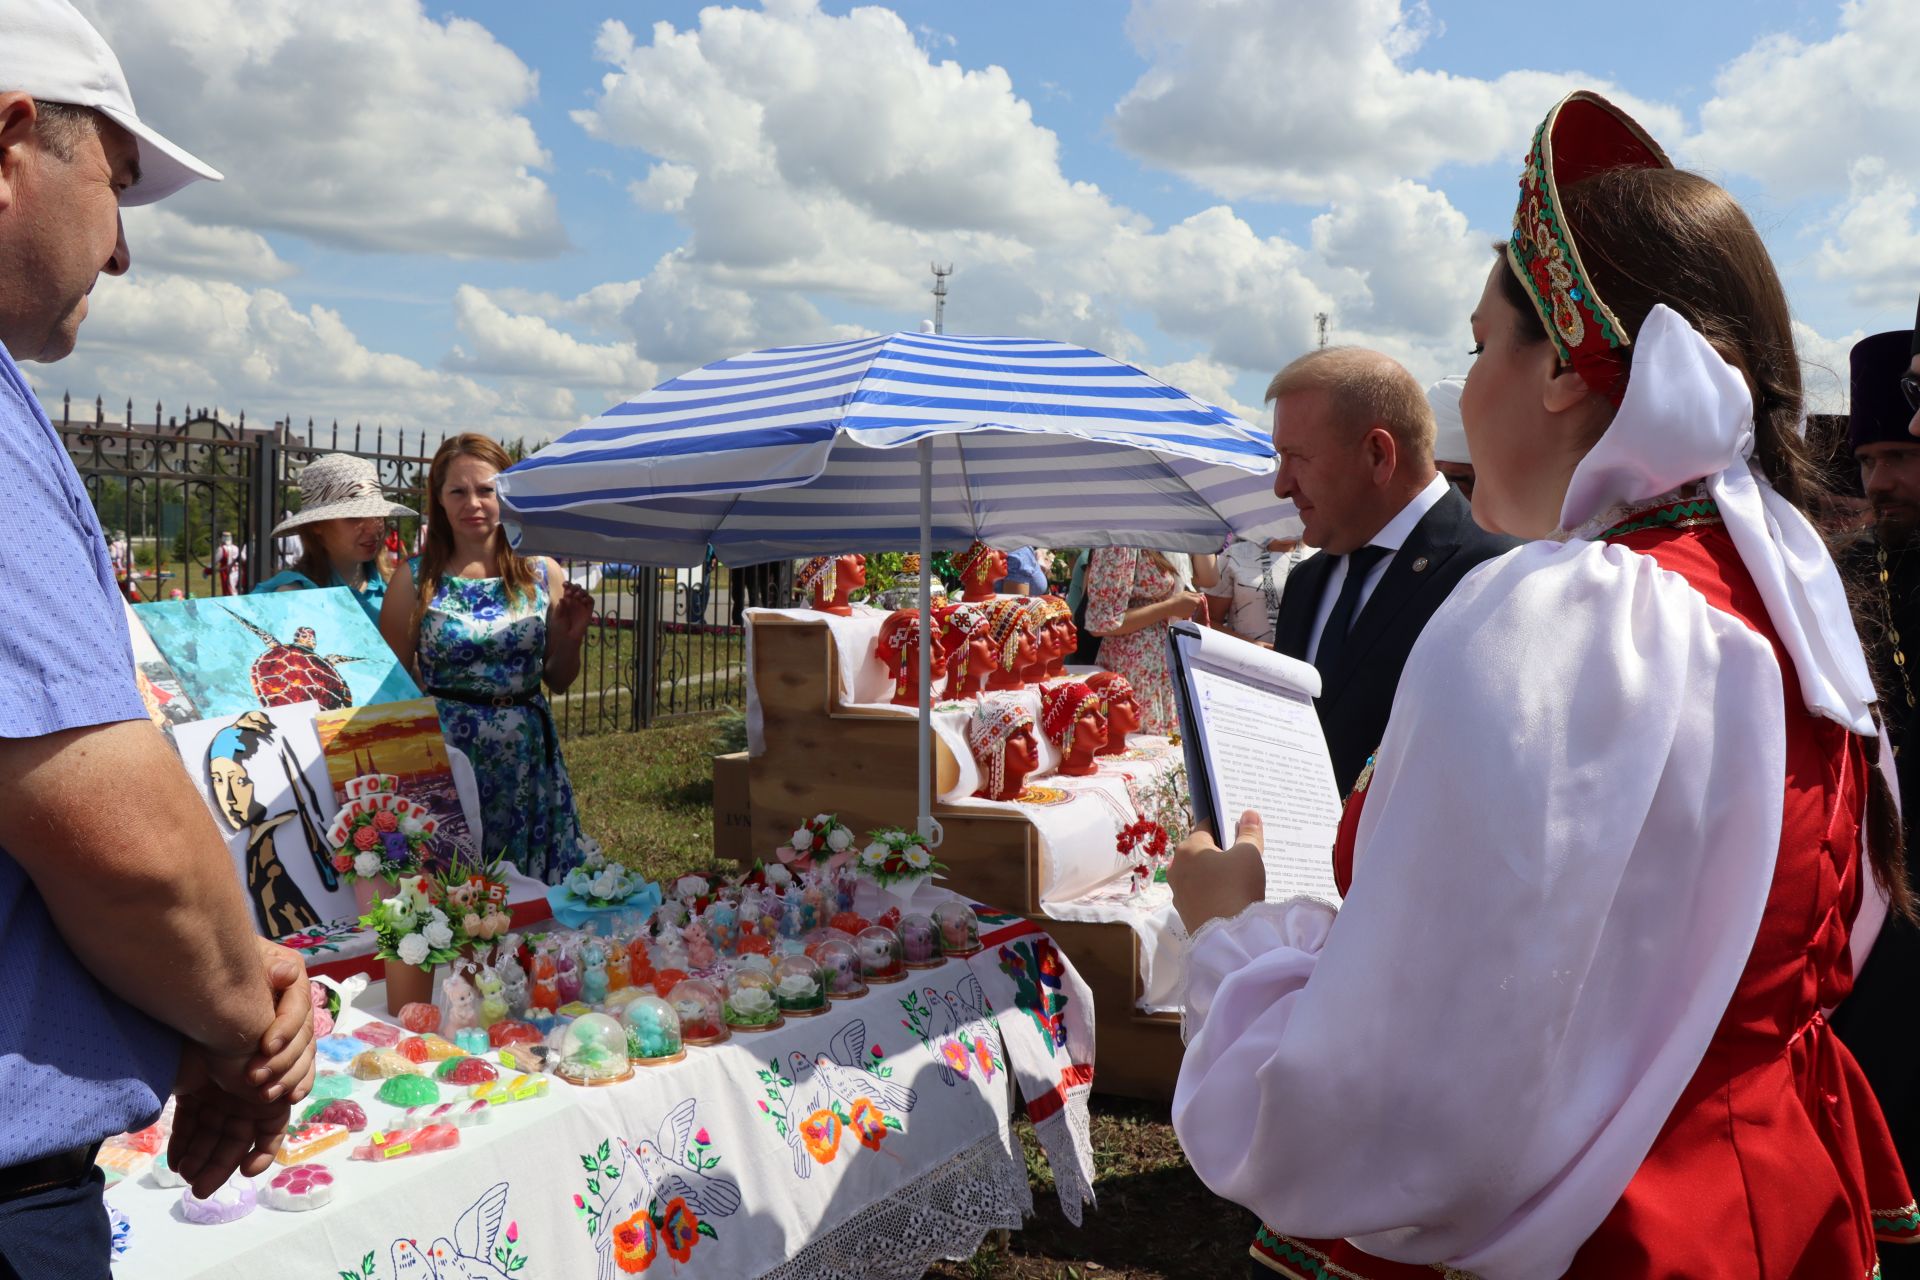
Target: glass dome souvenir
<point x="594" y="1051"/>
<point x="920" y="941"/>
<point x="751" y="962"/>
<point x="702" y="1020"/>
<point x="653" y="1032"/>
<point x="800" y="986"/>
<point x="841" y="963"/>
<point x="751" y="1003"/>
<point x="882" y="959"/>
<point x="959" y="928"/>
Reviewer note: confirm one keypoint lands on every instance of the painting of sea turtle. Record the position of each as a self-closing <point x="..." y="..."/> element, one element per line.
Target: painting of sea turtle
<point x="289" y="673"/>
<point x="238" y="653"/>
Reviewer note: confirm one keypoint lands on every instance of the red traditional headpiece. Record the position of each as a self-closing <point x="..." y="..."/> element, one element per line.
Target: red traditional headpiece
<point x="967" y="561"/>
<point x="1010" y="617"/>
<point x="994" y="721"/>
<point x="1583" y="135"/>
<point x="1061" y="707"/>
<point x="900" y="637"/>
<point x="1112" y="685"/>
<point x="819" y="572"/>
<point x="955" y="626"/>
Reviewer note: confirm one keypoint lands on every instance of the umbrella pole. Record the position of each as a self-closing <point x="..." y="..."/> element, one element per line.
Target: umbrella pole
<point x="928" y="829"/>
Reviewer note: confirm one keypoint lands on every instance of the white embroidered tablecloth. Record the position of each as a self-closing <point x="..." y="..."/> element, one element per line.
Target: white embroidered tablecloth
<point x="863" y="1143"/>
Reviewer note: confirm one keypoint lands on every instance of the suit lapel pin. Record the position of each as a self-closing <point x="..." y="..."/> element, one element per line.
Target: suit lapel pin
<point x="1419" y="564"/>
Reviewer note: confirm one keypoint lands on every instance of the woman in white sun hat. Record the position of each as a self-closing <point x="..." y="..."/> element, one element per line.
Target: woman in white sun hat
<point x="341" y="524"/>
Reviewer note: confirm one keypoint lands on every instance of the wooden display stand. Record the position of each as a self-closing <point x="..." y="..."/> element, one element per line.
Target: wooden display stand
<point x="822" y="757"/>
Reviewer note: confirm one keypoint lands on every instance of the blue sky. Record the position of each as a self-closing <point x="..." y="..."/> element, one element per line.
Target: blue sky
<point x="418" y="229"/>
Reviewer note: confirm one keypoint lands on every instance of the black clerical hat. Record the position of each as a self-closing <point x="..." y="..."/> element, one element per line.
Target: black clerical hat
<point x="1881" y="413"/>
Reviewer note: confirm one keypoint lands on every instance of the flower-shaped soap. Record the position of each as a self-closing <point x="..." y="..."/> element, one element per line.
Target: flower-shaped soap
<point x="467" y="1071"/>
<point x="230" y="1203"/>
<point x="751" y="1004"/>
<point x="295" y="1190"/>
<point x="420" y="1017"/>
<point x="345" y="1112"/>
<point x="799" y="985"/>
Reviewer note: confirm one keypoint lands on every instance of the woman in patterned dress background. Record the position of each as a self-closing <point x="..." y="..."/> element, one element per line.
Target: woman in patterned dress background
<point x="483" y="628"/>
<point x="1132" y="594"/>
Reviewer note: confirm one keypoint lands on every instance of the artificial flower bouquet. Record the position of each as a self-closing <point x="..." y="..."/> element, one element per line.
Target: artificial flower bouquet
<point x="601" y="882"/>
<point x="413" y="926"/>
<point x="1146" y="849"/>
<point x="379" y="834"/>
<point x="896" y="858"/>
<point x="825" y="837"/>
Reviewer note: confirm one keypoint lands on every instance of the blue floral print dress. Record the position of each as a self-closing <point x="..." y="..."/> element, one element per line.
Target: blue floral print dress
<point x="482" y="654"/>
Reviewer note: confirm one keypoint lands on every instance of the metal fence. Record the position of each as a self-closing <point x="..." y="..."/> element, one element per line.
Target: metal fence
<point x="665" y="644"/>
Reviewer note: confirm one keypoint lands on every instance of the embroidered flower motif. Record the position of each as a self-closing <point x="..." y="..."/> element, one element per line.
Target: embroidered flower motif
<point x="679" y="1229"/>
<point x="821" y="1132"/>
<point x="955" y="1055"/>
<point x="635" y="1244"/>
<point x="983" y="1055"/>
<point x="868" y="1124"/>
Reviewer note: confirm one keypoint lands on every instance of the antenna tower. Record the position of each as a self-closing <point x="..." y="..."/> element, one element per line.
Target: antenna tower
<point x="940" y="275"/>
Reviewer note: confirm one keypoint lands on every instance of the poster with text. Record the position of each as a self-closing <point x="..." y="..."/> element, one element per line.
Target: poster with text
<point x="402" y="740"/>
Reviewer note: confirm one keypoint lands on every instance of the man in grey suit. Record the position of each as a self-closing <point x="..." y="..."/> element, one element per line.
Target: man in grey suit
<point x="1355" y="437"/>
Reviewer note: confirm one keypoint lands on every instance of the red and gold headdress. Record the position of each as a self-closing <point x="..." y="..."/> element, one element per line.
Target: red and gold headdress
<point x="819" y="572"/>
<point x="900" y="636"/>
<point x="967" y="561"/>
<point x="1010" y="617"/>
<point x="1583" y="135"/>
<point x="1061" y="707"/>
<point x="1111" y="685"/>
<point x="994" y="721"/>
<point x="955" y="626"/>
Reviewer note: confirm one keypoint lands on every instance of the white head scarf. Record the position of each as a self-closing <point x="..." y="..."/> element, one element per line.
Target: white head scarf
<point x="1687" y="415"/>
<point x="1450" y="433"/>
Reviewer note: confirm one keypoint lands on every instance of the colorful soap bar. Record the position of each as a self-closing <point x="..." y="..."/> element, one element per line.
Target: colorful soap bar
<point x="331" y="1084"/>
<point x="120" y="1161"/>
<point x="305" y="1141"/>
<point x="513" y="1031"/>
<point x="467" y="1071"/>
<point x="380" y="1064"/>
<point x="419" y="1017"/>
<point x="472" y="1040"/>
<point x="409" y="1091"/>
<point x="519" y="1089"/>
<point x="381" y="1035"/>
<point x="410" y="1142"/>
<point x="296" y="1190"/>
<point x="161" y="1174"/>
<point x="345" y="1112"/>
<point x="230" y="1203"/>
<point x="460" y="1115"/>
<point x="338" y="1048"/>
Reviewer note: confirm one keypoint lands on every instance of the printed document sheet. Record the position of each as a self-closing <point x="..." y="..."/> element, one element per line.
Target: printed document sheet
<point x="1253" y="741"/>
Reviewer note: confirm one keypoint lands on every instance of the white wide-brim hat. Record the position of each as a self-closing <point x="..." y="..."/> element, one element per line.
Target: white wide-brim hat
<point x="340" y="486"/>
<point x="53" y="53"/>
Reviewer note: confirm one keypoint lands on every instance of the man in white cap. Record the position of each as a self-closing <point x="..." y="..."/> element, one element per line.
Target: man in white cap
<point x="130" y="966"/>
<point x="1450" y="456"/>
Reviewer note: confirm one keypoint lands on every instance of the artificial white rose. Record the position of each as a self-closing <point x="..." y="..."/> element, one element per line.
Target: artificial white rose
<point x="687" y="888"/>
<point x="366" y="865"/>
<point x="802" y="839"/>
<point x="412" y="826"/>
<point x="413" y="949"/>
<point x="797" y="985"/>
<point x="822" y="819"/>
<point x="839" y="839"/>
<point x="874" y="854"/>
<point x="438" y="935"/>
<point x="917" y="856"/>
<point x="778" y="876"/>
<point x="751" y="1001"/>
<point x="606" y="885"/>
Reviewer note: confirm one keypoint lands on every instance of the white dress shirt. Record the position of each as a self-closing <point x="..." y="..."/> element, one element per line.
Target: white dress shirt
<point x="1393" y="536"/>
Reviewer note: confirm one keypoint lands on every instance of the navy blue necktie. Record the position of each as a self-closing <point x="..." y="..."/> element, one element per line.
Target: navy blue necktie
<point x="1333" y="637"/>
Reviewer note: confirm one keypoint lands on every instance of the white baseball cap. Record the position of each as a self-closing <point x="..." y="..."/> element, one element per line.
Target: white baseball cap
<point x="48" y="50"/>
<point x="1450" y="433"/>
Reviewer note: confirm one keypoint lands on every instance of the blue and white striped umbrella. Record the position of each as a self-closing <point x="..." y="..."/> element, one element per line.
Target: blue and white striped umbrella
<point x="803" y="451"/>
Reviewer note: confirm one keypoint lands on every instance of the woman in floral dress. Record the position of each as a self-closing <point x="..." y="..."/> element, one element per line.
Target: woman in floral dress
<point x="483" y="628"/>
<point x="1132" y="594"/>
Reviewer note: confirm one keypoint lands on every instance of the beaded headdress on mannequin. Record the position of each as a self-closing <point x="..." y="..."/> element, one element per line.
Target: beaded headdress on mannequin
<point x="955" y="627"/>
<point x="1061" y="707"/>
<point x="965" y="562"/>
<point x="994" y="721"/>
<point x="1583" y="135"/>
<point x="1010" y="617"/>
<point x="820" y="572"/>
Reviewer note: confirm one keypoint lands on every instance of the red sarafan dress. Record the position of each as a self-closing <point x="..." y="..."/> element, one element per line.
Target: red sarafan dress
<point x="1776" y="1163"/>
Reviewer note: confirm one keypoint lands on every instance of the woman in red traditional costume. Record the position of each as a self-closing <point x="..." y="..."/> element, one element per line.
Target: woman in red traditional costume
<point x="1626" y="835"/>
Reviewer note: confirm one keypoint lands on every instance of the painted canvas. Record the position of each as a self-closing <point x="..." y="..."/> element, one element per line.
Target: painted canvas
<point x="262" y="774"/>
<point x="235" y="653"/>
<point x="400" y="739"/>
<point x="166" y="700"/>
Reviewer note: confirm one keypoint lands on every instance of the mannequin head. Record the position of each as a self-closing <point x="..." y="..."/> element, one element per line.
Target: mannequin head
<point x="830" y="581"/>
<point x="1044" y="640"/>
<point x="1074" y="720"/>
<point x="1123" y="709"/>
<point x="899" y="651"/>
<point x="979" y="567"/>
<point x="1016" y="640"/>
<point x="964" y="635"/>
<point x="1058" y="634"/>
<point x="1000" y="733"/>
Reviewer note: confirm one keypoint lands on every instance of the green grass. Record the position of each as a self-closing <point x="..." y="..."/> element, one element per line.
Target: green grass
<point x="648" y="797"/>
